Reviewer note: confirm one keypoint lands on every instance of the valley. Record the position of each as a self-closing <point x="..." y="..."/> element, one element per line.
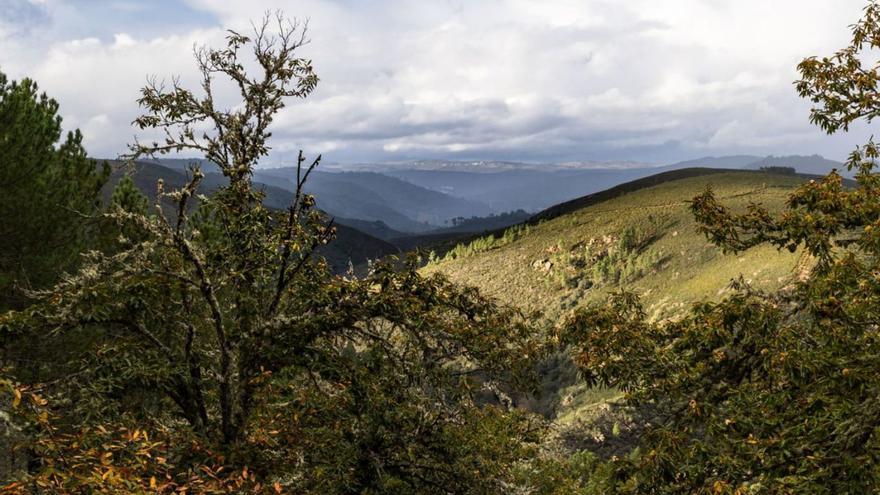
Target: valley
<point x="434" y="205"/>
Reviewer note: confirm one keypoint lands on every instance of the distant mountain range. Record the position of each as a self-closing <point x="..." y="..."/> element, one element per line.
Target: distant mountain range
<point x="351" y="244"/>
<point x="482" y="166"/>
<point x="425" y="195"/>
<point x="403" y="205"/>
<point x="528" y="189"/>
<point x="385" y="208"/>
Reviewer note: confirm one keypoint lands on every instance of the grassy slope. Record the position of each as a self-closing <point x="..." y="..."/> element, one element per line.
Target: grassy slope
<point x="690" y="269"/>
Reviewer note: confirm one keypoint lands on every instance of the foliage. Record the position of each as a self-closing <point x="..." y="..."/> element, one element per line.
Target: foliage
<point x="764" y="393"/>
<point x="843" y="86"/>
<point x="576" y="474"/>
<point x="116" y="232"/>
<point x="487" y="243"/>
<point x="626" y="259"/>
<point x="217" y="328"/>
<point x="49" y="190"/>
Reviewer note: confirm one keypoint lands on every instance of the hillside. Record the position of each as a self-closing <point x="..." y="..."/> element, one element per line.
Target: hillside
<point x="639" y="234"/>
<point x="376" y="197"/>
<point x="350" y="244"/>
<point x="804" y="164"/>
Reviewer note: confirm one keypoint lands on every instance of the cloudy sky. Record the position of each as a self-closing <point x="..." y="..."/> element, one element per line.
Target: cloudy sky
<point x="525" y="80"/>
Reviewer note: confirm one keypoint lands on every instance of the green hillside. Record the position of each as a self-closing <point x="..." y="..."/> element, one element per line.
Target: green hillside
<point x="640" y="236"/>
<point x="644" y="238"/>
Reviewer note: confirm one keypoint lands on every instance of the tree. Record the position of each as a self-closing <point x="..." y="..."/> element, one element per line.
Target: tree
<point x="220" y="326"/>
<point x="765" y="393"/>
<point x="49" y="188"/>
<point x="116" y="233"/>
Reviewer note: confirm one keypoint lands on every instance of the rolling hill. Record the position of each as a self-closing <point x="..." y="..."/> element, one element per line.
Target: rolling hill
<point x="639" y="234"/>
<point x="804" y="164"/>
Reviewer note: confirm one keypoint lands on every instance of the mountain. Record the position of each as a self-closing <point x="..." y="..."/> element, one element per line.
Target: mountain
<point x="483" y="166"/>
<point x="812" y="164"/>
<point x="375" y="228"/>
<point x="183" y="164"/>
<point x="530" y="190"/>
<point x="371" y="196"/>
<point x="366" y="198"/>
<point x="350" y="245"/>
<point x="731" y="161"/>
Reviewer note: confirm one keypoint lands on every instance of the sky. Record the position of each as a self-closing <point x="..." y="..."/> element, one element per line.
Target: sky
<point x="521" y="80"/>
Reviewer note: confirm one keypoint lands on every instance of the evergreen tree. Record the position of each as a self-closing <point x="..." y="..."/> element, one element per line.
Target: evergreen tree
<point x="48" y="190"/>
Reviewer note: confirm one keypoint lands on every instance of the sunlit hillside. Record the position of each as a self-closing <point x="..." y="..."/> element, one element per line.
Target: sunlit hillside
<point x="581" y="256"/>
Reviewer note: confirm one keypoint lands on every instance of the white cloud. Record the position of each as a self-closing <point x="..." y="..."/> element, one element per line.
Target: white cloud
<point x="554" y="80"/>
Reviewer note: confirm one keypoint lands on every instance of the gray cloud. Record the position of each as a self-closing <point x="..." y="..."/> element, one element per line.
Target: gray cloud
<point x="19" y="17"/>
<point x="559" y="80"/>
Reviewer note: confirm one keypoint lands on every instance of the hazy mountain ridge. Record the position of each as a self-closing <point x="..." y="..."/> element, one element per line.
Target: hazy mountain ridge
<point x="403" y="199"/>
<point x="427" y="207"/>
<point x="351" y="244"/>
<point x="804" y="164"/>
<point x="484" y="166"/>
<point x="527" y="189"/>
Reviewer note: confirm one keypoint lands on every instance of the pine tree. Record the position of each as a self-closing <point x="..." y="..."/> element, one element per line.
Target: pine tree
<point x="48" y="190"/>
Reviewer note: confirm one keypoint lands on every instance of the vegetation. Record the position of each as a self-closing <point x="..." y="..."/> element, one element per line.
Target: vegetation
<point x="487" y="243"/>
<point x="552" y="266"/>
<point x="202" y="344"/>
<point x="763" y="393"/>
<point x="218" y="354"/>
<point x="50" y="188"/>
